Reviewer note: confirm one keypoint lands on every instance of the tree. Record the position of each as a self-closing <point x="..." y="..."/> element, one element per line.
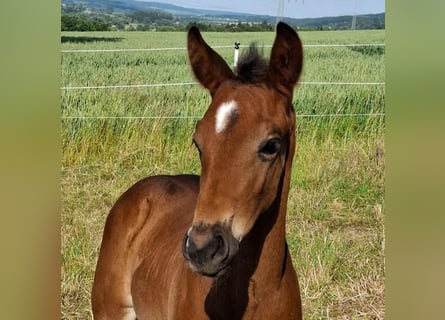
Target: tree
<point x="75" y="23"/>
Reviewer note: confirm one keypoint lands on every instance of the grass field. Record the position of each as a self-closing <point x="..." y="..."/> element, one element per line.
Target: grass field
<point x="336" y="202"/>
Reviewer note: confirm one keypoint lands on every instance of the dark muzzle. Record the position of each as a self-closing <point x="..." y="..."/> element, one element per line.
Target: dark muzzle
<point x="209" y="248"/>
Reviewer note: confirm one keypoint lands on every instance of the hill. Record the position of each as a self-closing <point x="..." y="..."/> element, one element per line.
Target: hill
<point x="120" y="14"/>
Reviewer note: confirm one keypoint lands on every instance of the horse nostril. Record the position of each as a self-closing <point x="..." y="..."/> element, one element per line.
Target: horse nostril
<point x="186" y="247"/>
<point x="219" y="245"/>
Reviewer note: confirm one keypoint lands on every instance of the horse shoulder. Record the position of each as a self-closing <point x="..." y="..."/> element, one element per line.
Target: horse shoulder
<point x="138" y="216"/>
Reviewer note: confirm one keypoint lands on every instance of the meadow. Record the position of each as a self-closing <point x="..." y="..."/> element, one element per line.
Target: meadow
<point x="112" y="137"/>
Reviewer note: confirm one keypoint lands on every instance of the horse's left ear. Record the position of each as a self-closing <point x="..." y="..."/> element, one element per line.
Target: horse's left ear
<point x="286" y="59"/>
<point x="208" y="67"/>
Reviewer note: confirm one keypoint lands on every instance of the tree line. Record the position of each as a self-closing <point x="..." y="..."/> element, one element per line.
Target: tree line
<point x="74" y="19"/>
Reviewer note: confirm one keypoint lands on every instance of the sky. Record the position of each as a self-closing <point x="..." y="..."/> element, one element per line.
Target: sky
<point x="292" y="8"/>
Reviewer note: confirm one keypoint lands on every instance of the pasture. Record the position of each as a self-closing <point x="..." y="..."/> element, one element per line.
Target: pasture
<point x="112" y="137"/>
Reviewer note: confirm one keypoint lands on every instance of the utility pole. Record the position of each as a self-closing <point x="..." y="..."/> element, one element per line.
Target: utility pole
<point x="280" y="11"/>
<point x="354" y="16"/>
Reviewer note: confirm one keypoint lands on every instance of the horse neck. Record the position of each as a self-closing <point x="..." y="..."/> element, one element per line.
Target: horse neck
<point x="274" y="249"/>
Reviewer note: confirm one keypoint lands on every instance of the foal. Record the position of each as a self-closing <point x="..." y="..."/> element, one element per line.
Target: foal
<point x="213" y="246"/>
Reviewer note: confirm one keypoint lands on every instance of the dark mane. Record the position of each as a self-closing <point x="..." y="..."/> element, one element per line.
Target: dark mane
<point x="252" y="67"/>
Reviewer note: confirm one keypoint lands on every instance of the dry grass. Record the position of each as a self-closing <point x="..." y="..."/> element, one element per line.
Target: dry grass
<point x="335" y="230"/>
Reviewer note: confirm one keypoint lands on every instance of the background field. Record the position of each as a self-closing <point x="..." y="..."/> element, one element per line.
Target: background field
<point x="110" y="139"/>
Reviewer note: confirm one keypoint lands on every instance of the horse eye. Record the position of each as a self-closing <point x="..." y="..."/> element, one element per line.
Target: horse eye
<point x="270" y="147"/>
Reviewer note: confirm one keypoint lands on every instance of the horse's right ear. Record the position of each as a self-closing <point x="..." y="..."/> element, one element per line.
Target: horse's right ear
<point x="208" y="67"/>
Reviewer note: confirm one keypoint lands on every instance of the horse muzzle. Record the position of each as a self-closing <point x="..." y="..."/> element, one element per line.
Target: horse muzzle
<point x="209" y="249"/>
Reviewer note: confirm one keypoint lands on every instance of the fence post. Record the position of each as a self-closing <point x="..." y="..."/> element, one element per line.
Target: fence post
<point x="236" y="54"/>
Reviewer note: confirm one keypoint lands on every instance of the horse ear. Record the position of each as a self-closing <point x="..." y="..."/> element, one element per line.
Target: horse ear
<point x="208" y="67"/>
<point x="286" y="59"/>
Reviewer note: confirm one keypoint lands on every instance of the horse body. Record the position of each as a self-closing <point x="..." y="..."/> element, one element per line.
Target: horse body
<point x="213" y="246"/>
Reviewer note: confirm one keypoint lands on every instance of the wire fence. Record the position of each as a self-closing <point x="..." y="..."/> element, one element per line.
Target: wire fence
<point x="157" y="85"/>
<point x="216" y="47"/>
<point x="199" y="117"/>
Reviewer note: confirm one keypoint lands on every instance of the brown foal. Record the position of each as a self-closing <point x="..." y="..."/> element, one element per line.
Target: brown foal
<point x="213" y="246"/>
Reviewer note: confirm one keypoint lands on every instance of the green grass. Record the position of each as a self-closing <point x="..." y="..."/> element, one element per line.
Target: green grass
<point x="336" y="201"/>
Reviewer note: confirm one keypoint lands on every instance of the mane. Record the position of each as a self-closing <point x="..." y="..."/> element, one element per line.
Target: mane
<point x="252" y="67"/>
